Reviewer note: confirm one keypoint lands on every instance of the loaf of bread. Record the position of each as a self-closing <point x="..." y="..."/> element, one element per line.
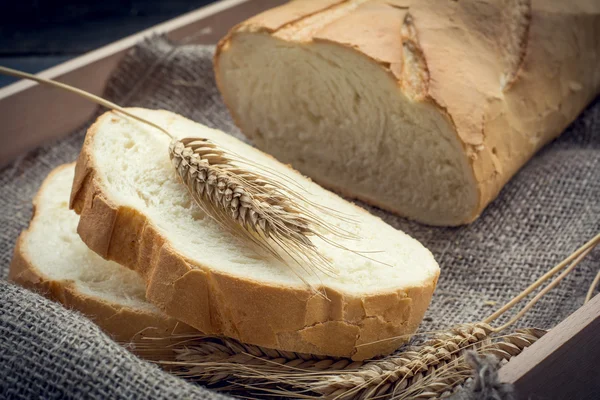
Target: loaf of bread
<point x="51" y="258"/>
<point x="424" y="108"/>
<point x="134" y="210"/>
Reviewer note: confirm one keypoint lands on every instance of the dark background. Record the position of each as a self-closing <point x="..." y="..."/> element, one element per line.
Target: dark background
<point x="35" y="35"/>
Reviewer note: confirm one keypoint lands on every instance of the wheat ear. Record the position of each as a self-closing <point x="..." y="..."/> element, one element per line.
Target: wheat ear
<point x="442" y="380"/>
<point x="396" y="372"/>
<point x="256" y="206"/>
<point x="429" y="370"/>
<point x="251" y="205"/>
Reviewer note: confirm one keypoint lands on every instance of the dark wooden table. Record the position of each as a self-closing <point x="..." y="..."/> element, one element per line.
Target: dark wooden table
<point x="36" y="35"/>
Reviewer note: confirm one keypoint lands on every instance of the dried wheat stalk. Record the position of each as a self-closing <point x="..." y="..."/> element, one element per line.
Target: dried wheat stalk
<point x="397" y="372"/>
<point x="258" y="207"/>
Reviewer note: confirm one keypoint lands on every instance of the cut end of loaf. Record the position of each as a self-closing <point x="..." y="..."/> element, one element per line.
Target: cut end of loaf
<point x="363" y="127"/>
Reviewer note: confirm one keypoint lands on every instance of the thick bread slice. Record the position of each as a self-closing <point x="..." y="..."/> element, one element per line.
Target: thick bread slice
<point x="51" y="258"/>
<point x="135" y="211"/>
<point x="425" y="108"/>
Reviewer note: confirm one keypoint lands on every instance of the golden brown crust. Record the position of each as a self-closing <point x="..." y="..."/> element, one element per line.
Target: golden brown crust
<point x="511" y="77"/>
<point x="122" y="323"/>
<point x="287" y="318"/>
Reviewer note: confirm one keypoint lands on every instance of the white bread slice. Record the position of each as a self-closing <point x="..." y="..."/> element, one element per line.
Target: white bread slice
<point x="424" y="108"/>
<point x="51" y="258"/>
<point x="134" y="210"/>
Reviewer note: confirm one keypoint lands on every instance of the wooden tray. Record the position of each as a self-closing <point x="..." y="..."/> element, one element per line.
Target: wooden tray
<point x="564" y="364"/>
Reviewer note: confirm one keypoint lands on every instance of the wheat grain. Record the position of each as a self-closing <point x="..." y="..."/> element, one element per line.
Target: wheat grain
<point x="206" y="356"/>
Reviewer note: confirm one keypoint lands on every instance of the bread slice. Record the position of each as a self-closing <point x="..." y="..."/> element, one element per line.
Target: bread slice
<point x="51" y="258"/>
<point x="134" y="210"/>
<point x="424" y="108"/>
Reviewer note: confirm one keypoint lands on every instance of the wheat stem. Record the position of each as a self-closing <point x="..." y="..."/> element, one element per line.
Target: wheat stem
<point x="590" y="244"/>
<point x="550" y="286"/>
<point x="593" y="286"/>
<point x="576" y="257"/>
<point x="96" y="99"/>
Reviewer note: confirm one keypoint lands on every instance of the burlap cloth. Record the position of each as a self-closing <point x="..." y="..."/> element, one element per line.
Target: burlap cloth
<point x="548" y="210"/>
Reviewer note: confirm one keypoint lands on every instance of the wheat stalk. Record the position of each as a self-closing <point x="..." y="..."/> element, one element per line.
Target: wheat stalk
<point x="397" y="372"/>
<point x="214" y="361"/>
<point x="592" y="287"/>
<point x="254" y="205"/>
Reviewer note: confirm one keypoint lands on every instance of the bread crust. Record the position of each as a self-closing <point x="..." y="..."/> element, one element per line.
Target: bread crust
<point x="217" y="303"/>
<point x="122" y="323"/>
<point x="509" y="77"/>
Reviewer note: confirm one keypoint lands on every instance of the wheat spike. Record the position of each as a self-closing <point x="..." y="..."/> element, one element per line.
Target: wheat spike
<point x="445" y="377"/>
<point x="398" y="371"/>
<point x="250" y="205"/>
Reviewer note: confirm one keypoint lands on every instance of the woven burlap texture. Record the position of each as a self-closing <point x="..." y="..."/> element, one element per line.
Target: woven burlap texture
<point x="551" y="207"/>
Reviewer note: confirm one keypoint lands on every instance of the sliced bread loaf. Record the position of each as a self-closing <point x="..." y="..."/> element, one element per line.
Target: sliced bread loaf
<point x="51" y="258"/>
<point x="134" y="210"/>
<point x="425" y="108"/>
